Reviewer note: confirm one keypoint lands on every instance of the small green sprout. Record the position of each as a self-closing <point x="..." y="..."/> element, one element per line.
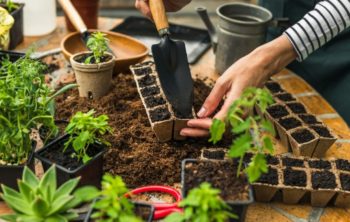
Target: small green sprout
<point x="98" y="44"/>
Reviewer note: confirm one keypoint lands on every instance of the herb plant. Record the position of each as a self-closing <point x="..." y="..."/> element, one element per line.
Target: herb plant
<point x="203" y="204"/>
<point x="113" y="206"/>
<point x="84" y="130"/>
<point x="41" y="200"/>
<point x="254" y="132"/>
<point x="98" y="44"/>
<point x="10" y="5"/>
<point x="26" y="103"/>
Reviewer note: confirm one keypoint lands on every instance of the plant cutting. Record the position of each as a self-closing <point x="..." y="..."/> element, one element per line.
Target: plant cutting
<point x="94" y="69"/>
<point x="26" y="103"/>
<point x="202" y="204"/>
<point x="40" y="200"/>
<point x="80" y="151"/>
<point x="16" y="11"/>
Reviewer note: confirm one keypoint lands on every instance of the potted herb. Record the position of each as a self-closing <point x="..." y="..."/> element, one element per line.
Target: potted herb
<point x="112" y="205"/>
<point x="16" y="11"/>
<point x="41" y="200"/>
<point x="253" y="136"/>
<point x="94" y="70"/>
<point x="26" y="103"/>
<point x="203" y="204"/>
<point x="80" y="151"/>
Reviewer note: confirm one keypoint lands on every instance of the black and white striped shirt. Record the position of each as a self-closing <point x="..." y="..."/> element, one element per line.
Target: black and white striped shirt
<point x="328" y="19"/>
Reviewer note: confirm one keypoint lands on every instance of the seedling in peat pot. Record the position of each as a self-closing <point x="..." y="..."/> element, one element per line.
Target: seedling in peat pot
<point x="202" y="204"/>
<point x="84" y="130"/>
<point x="98" y="44"/>
<point x="41" y="201"/>
<point x="254" y="133"/>
<point x="112" y="205"/>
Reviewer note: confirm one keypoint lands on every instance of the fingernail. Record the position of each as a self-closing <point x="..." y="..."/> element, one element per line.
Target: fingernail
<point x="202" y="112"/>
<point x="182" y="133"/>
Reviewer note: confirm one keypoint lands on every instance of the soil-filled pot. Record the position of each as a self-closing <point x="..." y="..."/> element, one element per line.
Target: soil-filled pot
<point x="88" y="10"/>
<point x="16" y="32"/>
<point x="302" y="141"/>
<point x="326" y="140"/>
<point x="283" y="125"/>
<point x="294" y="185"/>
<point x="69" y="167"/>
<point x="221" y="174"/>
<point x="94" y="80"/>
<point x="343" y="197"/>
<point x="143" y="210"/>
<point x="324" y="187"/>
<point x="213" y="153"/>
<point x="266" y="187"/>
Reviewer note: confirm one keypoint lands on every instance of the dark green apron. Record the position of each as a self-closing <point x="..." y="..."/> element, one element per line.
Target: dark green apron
<point x="328" y="68"/>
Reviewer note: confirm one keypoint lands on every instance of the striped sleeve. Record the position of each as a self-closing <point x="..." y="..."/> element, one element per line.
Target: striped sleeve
<point x="328" y="19"/>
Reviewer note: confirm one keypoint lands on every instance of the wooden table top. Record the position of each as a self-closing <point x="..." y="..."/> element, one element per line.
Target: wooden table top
<point x="290" y="82"/>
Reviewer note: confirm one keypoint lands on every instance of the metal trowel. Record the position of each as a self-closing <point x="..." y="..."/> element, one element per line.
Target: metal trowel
<point x="172" y="65"/>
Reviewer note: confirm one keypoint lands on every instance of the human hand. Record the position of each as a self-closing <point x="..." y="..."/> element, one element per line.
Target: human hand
<point x="251" y="70"/>
<point x="170" y="6"/>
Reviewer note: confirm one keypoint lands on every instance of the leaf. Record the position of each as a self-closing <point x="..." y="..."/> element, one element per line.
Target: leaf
<point x="58" y="205"/>
<point x="30" y="178"/>
<point x="9" y="217"/>
<point x="48" y="183"/>
<point x="66" y="188"/>
<point x="87" y="193"/>
<point x="174" y="217"/>
<point x="17" y="204"/>
<point x="256" y="167"/>
<point x="242" y="127"/>
<point x="268" y="144"/>
<point x="240" y="146"/>
<point x="217" y="130"/>
<point x="268" y="127"/>
<point x="40" y="207"/>
<point x="26" y="191"/>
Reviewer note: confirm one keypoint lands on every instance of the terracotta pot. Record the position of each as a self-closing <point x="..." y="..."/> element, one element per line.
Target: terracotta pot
<point x="94" y="80"/>
<point x="88" y="10"/>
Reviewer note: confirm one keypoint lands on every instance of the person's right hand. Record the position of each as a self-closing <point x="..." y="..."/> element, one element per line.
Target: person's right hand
<point x="170" y="6"/>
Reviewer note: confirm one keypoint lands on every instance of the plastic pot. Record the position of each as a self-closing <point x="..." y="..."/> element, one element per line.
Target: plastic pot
<point x="16" y="32"/>
<point x="90" y="172"/>
<point x="88" y="10"/>
<point x="94" y="80"/>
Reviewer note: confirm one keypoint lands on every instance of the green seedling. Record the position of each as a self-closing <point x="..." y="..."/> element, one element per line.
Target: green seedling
<point x="203" y="204"/>
<point x="41" y="200"/>
<point x="112" y="205"/>
<point x="253" y="133"/>
<point x="98" y="44"/>
<point x="84" y="130"/>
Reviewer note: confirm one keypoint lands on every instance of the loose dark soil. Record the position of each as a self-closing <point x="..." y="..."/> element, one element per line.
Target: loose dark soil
<point x="146" y="81"/>
<point x="154" y="101"/>
<point x="136" y="154"/>
<point x="277" y="111"/>
<point x="269" y="178"/>
<point x="56" y="155"/>
<point x="247" y="158"/>
<point x="291" y="162"/>
<point x="297" y="108"/>
<point x="322" y="131"/>
<point x="271" y="160"/>
<point x="221" y="175"/>
<point x="181" y="116"/>
<point x="143" y="71"/>
<point x="159" y="114"/>
<point x="294" y="177"/>
<point x="214" y="154"/>
<point x="289" y="123"/>
<point x="345" y="181"/>
<point x="303" y="136"/>
<point x="274" y="87"/>
<point x="83" y="57"/>
<point x="309" y="119"/>
<point x="150" y="91"/>
<point x="285" y="97"/>
<point x="320" y="164"/>
<point x="343" y="164"/>
<point x="323" y="180"/>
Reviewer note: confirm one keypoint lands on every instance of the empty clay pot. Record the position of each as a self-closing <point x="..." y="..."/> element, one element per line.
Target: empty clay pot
<point x="94" y="80"/>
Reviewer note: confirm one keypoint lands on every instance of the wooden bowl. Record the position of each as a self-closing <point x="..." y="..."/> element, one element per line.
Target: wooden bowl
<point x="128" y="51"/>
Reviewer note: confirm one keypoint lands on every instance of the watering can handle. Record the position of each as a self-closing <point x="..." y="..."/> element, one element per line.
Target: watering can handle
<point x="73" y="15"/>
<point x="159" y="16"/>
<point x="202" y="12"/>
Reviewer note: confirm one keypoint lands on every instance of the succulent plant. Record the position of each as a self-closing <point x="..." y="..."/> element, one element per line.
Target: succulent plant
<point x="41" y="200"/>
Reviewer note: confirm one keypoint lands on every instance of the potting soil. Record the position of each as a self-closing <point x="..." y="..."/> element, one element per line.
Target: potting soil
<point x="323" y="180"/>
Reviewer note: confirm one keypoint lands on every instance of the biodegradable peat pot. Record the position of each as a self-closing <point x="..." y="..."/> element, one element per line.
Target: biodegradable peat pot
<point x="302" y="141"/>
<point x="309" y="119"/>
<point x="275" y="112"/>
<point x="324" y="187"/>
<point x="296" y="108"/>
<point x="294" y="185"/>
<point x="284" y="97"/>
<point x="143" y="210"/>
<point x="274" y="87"/>
<point x="236" y="192"/>
<point x="343" y="197"/>
<point x="326" y="140"/>
<point x="283" y="125"/>
<point x="68" y="167"/>
<point x="16" y="32"/>
<point x="94" y="80"/>
<point x="267" y="185"/>
<point x="88" y="10"/>
<point x="213" y="154"/>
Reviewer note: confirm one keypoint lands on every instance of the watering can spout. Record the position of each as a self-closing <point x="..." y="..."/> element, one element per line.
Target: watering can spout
<point x="202" y="12"/>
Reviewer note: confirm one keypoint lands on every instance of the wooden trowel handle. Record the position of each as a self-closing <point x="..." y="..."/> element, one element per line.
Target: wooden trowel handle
<point x="73" y="15"/>
<point x="159" y="16"/>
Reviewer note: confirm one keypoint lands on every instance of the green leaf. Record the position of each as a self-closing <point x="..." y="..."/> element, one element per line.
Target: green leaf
<point x="66" y="188"/>
<point x="30" y="178"/>
<point x="217" y="130"/>
<point x="9" y="218"/>
<point x="240" y="146"/>
<point x="26" y="191"/>
<point x="87" y="193"/>
<point x="40" y="207"/>
<point x="59" y="204"/>
<point x="268" y="127"/>
<point x="268" y="144"/>
<point x="242" y="127"/>
<point x="48" y="183"/>
<point x="17" y="204"/>
<point x="256" y="167"/>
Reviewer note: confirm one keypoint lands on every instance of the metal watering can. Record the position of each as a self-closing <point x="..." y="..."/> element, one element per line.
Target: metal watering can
<point x="242" y="27"/>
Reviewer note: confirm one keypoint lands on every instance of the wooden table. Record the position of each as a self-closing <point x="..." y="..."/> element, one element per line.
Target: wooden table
<point x="258" y="212"/>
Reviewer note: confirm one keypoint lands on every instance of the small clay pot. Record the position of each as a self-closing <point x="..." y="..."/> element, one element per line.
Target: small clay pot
<point x="305" y="147"/>
<point x="88" y="10"/>
<point x="94" y="80"/>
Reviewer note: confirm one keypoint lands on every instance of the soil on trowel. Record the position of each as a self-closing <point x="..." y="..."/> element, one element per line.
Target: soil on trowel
<point x="135" y="153"/>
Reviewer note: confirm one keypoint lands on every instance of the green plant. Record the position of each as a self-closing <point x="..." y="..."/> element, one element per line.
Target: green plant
<point x="98" y="44"/>
<point x="26" y="103"/>
<point x="113" y="206"/>
<point x="202" y="204"/>
<point x="41" y="201"/>
<point x="85" y="129"/>
<point x="10" y="5"/>
<point x="253" y="132"/>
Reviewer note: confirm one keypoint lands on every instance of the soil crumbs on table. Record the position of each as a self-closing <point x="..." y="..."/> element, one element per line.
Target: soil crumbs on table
<point x="135" y="154"/>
